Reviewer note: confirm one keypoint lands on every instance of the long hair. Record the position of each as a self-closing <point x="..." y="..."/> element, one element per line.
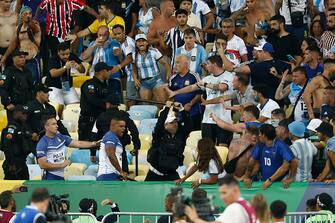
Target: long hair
<point x="206" y="152"/>
<point x="261" y="208"/>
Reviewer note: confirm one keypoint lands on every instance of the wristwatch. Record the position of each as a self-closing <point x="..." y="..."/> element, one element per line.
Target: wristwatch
<point x="270" y="179"/>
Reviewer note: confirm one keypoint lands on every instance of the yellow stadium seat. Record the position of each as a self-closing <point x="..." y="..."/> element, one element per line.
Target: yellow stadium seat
<point x="140" y="178"/>
<point x="122" y="107"/>
<point x="142" y="157"/>
<point x="189" y="155"/>
<point x="2" y="174"/>
<point x="72" y="112"/>
<point x="56" y="106"/>
<point x="146" y="141"/>
<point x="75" y="169"/>
<point x="223" y="152"/>
<point x="79" y="80"/>
<point x="74" y="135"/>
<point x="3" y="119"/>
<point x="193" y="139"/>
<point x="142" y="170"/>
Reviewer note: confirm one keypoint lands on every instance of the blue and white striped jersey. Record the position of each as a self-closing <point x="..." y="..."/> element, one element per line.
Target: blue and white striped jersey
<point x="146" y="64"/>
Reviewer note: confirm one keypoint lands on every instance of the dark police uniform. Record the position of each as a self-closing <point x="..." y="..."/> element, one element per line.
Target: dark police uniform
<point x="17" y="144"/>
<point x="92" y="104"/>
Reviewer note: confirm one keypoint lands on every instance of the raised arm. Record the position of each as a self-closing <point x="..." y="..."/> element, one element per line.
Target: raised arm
<point x="83" y="144"/>
<point x="238" y="127"/>
<point x="307" y="95"/>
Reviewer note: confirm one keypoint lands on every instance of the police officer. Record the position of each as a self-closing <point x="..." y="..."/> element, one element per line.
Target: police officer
<point x="39" y="108"/>
<point x="102" y="126"/>
<point x="17" y="144"/>
<point x="16" y="83"/>
<point x="92" y="104"/>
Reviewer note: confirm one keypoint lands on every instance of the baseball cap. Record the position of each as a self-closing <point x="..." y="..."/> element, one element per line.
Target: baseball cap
<point x="17" y="52"/>
<point x="87" y="205"/>
<point x="326" y="129"/>
<point x="100" y="66"/>
<point x="42" y="87"/>
<point x="21" y="108"/>
<point x="297" y="128"/>
<point x="140" y="36"/>
<point x="313" y="124"/>
<point x="113" y="99"/>
<point x="265" y="47"/>
<point x="170" y="118"/>
<point x="324" y="200"/>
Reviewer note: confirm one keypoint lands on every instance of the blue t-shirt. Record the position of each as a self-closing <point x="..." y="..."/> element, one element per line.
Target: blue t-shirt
<point x="29" y="214"/>
<point x="327" y="111"/>
<point x="178" y="82"/>
<point x="272" y="158"/>
<point x="54" y="149"/>
<point x="313" y="72"/>
<point x="257" y="124"/>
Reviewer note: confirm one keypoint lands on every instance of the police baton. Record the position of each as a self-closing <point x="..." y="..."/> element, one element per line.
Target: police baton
<point x="146" y="101"/>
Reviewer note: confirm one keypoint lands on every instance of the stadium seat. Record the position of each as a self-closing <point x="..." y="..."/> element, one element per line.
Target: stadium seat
<point x="140" y="115"/>
<point x="31" y="159"/>
<point x="148" y="108"/>
<point x="142" y="157"/>
<point x="75" y="169"/>
<point x="72" y="112"/>
<point x="142" y="170"/>
<point x="3" y="119"/>
<point x="140" y="178"/>
<point x="81" y="156"/>
<point x="147" y="126"/>
<point x="83" y="177"/>
<point x="189" y="155"/>
<point x="92" y="170"/>
<point x="2" y="155"/>
<point x="56" y="106"/>
<point x="193" y="139"/>
<point x="146" y="141"/>
<point x="79" y="80"/>
<point x="70" y="125"/>
<point x="223" y="152"/>
<point x="122" y="107"/>
<point x="35" y="172"/>
<point x="137" y="123"/>
<point x="2" y="174"/>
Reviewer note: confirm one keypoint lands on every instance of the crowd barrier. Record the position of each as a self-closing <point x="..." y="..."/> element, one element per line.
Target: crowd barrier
<point x="81" y="217"/>
<point x="301" y="217"/>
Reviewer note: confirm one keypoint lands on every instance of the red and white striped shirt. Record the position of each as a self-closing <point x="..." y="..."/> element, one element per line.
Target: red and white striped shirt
<point x="60" y="16"/>
<point x="327" y="41"/>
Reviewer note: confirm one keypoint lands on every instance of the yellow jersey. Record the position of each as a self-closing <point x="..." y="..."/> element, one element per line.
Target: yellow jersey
<point x="117" y="20"/>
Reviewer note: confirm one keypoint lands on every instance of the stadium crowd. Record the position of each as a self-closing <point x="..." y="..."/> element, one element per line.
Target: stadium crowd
<point x="254" y="76"/>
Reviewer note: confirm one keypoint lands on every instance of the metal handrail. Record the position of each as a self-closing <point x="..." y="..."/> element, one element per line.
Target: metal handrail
<point x="82" y="214"/>
<point x="299" y="217"/>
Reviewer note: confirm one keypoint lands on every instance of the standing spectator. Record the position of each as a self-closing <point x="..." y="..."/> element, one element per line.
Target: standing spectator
<point x="128" y="10"/>
<point x="17" y="83"/>
<point x="236" y="205"/>
<point x="266" y="105"/>
<point x="282" y="131"/>
<point x="294" y="92"/>
<point x="7" y="206"/>
<point x="145" y="70"/>
<point x="328" y="107"/>
<point x="278" y="211"/>
<point x="261" y="208"/>
<point x="285" y="44"/>
<point x="27" y="38"/>
<point x="235" y="44"/>
<point x="273" y="156"/>
<point x="59" y="14"/>
<point x="108" y="18"/>
<point x="327" y="39"/>
<point x="193" y="20"/>
<point x="110" y="157"/>
<point x="184" y="77"/>
<point x="51" y="160"/>
<point x="168" y="142"/>
<point x="316" y="30"/>
<point x="59" y="77"/>
<point x="34" y="212"/>
<point x="93" y="93"/>
<point x="195" y="52"/>
<point x="108" y="50"/>
<point x="311" y="62"/>
<point x="145" y="16"/>
<point x="315" y="89"/>
<point x="303" y="150"/>
<point x="208" y="161"/>
<point x="89" y="206"/>
<point x="200" y="8"/>
<point x="326" y="134"/>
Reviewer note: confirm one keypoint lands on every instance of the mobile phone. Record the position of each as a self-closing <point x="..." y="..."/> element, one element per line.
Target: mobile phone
<point x="291" y="58"/>
<point x="23" y="189"/>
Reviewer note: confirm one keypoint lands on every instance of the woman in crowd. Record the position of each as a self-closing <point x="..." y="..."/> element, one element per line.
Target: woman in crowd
<point x="208" y="162"/>
<point x="261" y="208"/>
<point x="145" y="16"/>
<point x="316" y="30"/>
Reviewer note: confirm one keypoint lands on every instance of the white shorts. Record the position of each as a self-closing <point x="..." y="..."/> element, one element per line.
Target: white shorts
<point x="64" y="98"/>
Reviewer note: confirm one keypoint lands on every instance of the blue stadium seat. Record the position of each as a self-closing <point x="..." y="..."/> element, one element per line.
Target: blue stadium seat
<point x="147" y="126"/>
<point x="140" y="115"/>
<point x="35" y="171"/>
<point x="83" y="177"/>
<point x="148" y="108"/>
<point x="81" y="156"/>
<point x="92" y="170"/>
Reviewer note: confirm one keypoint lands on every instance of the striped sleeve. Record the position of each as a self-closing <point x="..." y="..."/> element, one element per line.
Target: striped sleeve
<point x="43" y="5"/>
<point x="77" y="5"/>
<point x="168" y="37"/>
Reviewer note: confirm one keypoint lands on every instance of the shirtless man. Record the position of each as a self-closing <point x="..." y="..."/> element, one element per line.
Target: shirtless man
<point x="161" y="25"/>
<point x="8" y="21"/>
<point x="317" y="87"/>
<point x="31" y="44"/>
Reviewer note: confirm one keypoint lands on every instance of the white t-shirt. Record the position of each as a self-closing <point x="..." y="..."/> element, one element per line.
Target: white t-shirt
<point x="297" y="6"/>
<point x="266" y="109"/>
<point x="194" y="20"/>
<point x="200" y="7"/>
<point x="218" y="109"/>
<point x="212" y="170"/>
<point x="237" y="47"/>
<point x="234" y="213"/>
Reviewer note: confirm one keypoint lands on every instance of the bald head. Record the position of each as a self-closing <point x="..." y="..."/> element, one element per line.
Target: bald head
<point x="182" y="64"/>
<point x="167" y="7"/>
<point x="103" y="33"/>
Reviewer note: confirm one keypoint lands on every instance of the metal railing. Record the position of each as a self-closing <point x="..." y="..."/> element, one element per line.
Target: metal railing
<point x="313" y="217"/>
<point x="81" y="217"/>
<point x="136" y="217"/>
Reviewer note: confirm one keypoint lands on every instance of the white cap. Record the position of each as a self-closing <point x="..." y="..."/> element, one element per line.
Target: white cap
<point x="170" y="118"/>
<point x="140" y="36"/>
<point x="313" y="124"/>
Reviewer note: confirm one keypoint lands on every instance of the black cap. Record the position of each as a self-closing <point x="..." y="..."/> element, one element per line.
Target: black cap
<point x="101" y="66"/>
<point x="87" y="205"/>
<point x="324" y="200"/>
<point x="21" y="108"/>
<point x="42" y="87"/>
<point x="17" y="52"/>
<point x="113" y="99"/>
<point x="325" y="128"/>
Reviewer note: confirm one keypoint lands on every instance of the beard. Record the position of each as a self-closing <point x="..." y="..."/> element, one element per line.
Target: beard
<point x="275" y="31"/>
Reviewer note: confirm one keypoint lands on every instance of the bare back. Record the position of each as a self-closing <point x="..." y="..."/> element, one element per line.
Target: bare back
<point x="7" y="28"/>
<point x="318" y="93"/>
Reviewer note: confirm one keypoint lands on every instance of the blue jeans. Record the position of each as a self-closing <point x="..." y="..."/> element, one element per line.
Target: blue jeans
<point x="151" y="83"/>
<point x="50" y="176"/>
<point x="35" y="68"/>
<point x="109" y="177"/>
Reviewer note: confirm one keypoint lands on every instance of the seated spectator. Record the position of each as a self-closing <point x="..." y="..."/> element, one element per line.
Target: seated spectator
<point x="59" y="77"/>
<point x="273" y="156"/>
<point x="146" y="15"/>
<point x="266" y="105"/>
<point x="208" y="162"/>
<point x="311" y="62"/>
<point x="278" y="210"/>
<point x="303" y="150"/>
<point x="324" y="205"/>
<point x="328" y="107"/>
<point x="7" y="206"/>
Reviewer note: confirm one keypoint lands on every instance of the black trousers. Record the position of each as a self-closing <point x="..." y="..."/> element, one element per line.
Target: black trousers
<point x="151" y="176"/>
<point x="217" y="134"/>
<point x="21" y="173"/>
<point x="85" y="125"/>
<point x="195" y="122"/>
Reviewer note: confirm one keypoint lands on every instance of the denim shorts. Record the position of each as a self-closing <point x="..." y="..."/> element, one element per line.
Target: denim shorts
<point x="109" y="177"/>
<point x="151" y="83"/>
